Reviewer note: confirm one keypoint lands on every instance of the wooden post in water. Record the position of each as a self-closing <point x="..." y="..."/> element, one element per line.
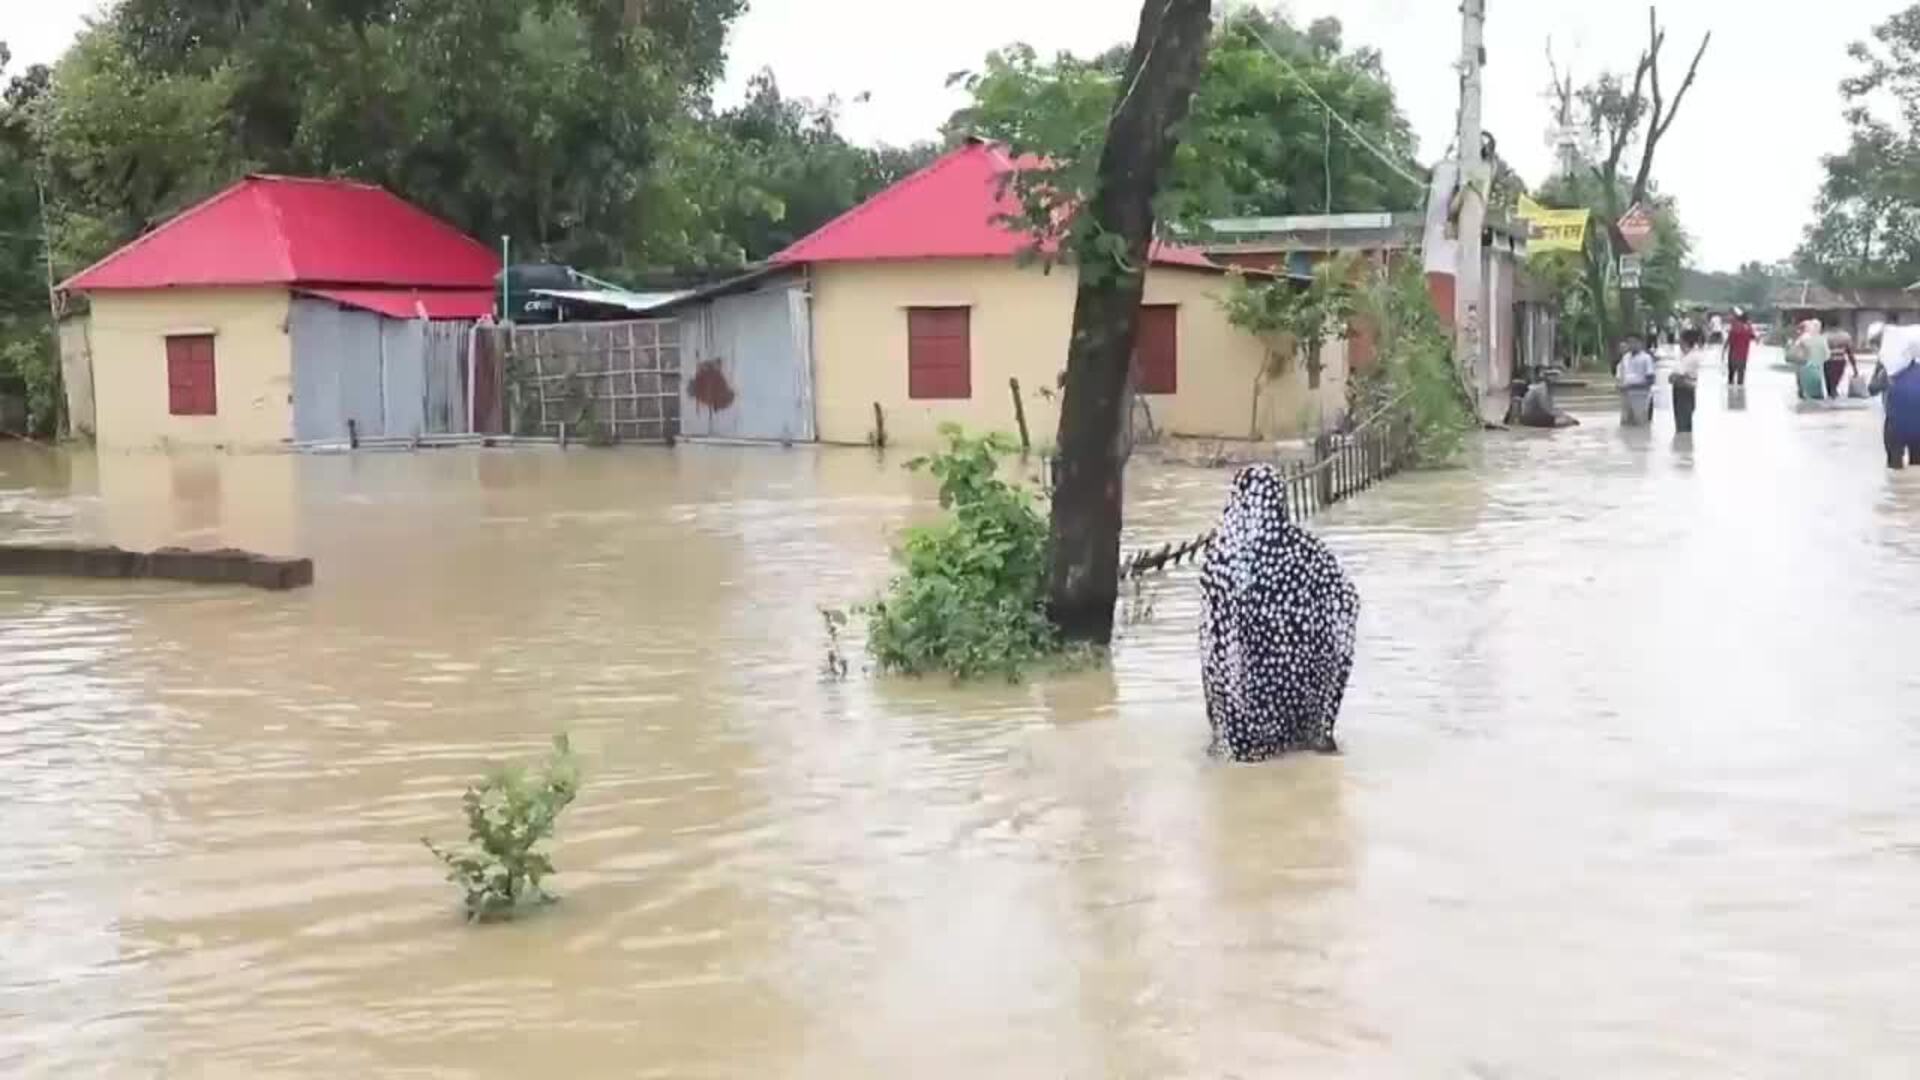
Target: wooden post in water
<point x="879" y="428"/>
<point x="1323" y="476"/>
<point x="1020" y="415"/>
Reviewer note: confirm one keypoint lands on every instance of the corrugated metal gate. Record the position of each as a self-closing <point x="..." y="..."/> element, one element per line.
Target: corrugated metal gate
<point x="749" y="374"/>
<point x="393" y="378"/>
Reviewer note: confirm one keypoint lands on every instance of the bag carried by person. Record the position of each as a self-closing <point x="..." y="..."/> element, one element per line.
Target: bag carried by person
<point x="1878" y="384"/>
<point x="1857" y="386"/>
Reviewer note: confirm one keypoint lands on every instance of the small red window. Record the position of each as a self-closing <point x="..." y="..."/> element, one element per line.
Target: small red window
<point x="939" y="352"/>
<point x="190" y="375"/>
<point x="1156" y="350"/>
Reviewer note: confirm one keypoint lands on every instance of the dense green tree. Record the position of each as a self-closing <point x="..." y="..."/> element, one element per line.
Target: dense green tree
<point x="1257" y="141"/>
<point x="581" y="129"/>
<point x="1754" y="285"/>
<point x="1751" y="287"/>
<point x="540" y="121"/>
<point x="28" y="360"/>
<point x="1866" y="227"/>
<point x="789" y="153"/>
<point x="22" y="278"/>
<point x="1664" y="265"/>
<point x="737" y="185"/>
<point x="121" y="147"/>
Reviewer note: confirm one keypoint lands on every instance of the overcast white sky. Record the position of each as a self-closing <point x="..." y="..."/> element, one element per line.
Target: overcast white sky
<point x="1744" y="186"/>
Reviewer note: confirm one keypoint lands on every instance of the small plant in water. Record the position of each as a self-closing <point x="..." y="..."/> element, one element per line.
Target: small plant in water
<point x="969" y="598"/>
<point x="835" y="668"/>
<point x="510" y="812"/>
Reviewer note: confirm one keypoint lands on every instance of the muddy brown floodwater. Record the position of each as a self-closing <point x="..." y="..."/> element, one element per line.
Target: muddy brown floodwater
<point x="1632" y="782"/>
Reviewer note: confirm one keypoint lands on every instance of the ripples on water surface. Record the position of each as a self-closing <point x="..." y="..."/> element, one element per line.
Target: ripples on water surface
<point x="1630" y="785"/>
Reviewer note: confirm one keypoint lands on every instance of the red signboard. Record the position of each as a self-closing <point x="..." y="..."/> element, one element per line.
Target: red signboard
<point x="1636" y="225"/>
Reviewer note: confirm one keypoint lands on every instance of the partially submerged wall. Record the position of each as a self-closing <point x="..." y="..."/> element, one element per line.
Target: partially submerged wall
<point x="226" y="566"/>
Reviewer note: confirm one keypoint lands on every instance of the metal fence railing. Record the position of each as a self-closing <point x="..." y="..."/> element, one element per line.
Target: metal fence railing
<point x="1343" y="465"/>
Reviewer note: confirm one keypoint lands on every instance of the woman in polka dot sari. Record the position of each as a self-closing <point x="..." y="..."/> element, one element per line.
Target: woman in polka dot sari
<point x="1278" y="634"/>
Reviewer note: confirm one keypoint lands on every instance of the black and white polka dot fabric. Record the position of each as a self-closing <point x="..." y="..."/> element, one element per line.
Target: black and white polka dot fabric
<point x="1278" y="633"/>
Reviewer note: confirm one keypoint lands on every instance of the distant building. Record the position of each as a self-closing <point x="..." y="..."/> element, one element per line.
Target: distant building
<point x="1519" y="331"/>
<point x="914" y="303"/>
<point x="1851" y="310"/>
<point x="280" y="309"/>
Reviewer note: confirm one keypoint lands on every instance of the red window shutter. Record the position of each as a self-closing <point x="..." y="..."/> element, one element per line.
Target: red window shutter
<point x="939" y="353"/>
<point x="1156" y="350"/>
<point x="190" y="375"/>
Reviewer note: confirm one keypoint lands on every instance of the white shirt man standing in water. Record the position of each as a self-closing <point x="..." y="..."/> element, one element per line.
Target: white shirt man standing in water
<point x="1635" y="377"/>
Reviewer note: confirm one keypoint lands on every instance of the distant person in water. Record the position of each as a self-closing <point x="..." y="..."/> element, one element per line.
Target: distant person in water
<point x="1809" y="355"/>
<point x="1277" y="637"/>
<point x="1739" y="343"/>
<point x="1839" y="360"/>
<point x="1899" y="380"/>
<point x="1635" y="375"/>
<point x="1534" y="406"/>
<point x="1685" y="378"/>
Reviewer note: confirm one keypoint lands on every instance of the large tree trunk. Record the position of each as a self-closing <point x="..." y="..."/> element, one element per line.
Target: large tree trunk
<point x="1161" y="73"/>
<point x="1608" y="341"/>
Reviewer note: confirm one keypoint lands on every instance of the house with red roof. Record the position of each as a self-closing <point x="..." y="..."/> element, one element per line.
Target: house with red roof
<point x="281" y="309"/>
<point x="914" y="309"/>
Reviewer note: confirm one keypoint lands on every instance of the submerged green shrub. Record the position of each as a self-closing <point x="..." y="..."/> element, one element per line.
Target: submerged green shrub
<point x="970" y="596"/>
<point x="1415" y="368"/>
<point x="509" y="813"/>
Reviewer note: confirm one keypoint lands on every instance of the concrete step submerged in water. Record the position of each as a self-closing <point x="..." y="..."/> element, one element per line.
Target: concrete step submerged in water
<point x="222" y="566"/>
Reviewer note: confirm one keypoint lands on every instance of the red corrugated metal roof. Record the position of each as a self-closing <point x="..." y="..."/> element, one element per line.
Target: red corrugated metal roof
<point x="413" y="303"/>
<point x="269" y="230"/>
<point x="948" y="210"/>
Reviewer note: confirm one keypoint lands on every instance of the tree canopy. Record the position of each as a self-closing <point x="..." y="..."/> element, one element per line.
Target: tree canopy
<point x="1866" y="227"/>
<point x="27" y="359"/>
<point x="1257" y="140"/>
<point x="583" y="130"/>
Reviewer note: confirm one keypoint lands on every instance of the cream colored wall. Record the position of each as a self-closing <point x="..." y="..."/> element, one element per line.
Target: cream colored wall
<point x="76" y="376"/>
<point x="1021" y="319"/>
<point x="1217" y="367"/>
<point x="252" y="362"/>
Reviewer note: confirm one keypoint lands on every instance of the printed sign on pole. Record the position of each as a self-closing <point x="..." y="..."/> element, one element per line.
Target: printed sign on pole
<point x="1629" y="271"/>
<point x="1552" y="230"/>
<point x="1636" y="225"/>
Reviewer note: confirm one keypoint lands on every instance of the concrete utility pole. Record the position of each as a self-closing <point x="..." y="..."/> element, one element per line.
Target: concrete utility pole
<point x="1475" y="179"/>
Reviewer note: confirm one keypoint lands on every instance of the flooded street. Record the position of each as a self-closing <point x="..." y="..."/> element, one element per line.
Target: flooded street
<point x="1631" y="783"/>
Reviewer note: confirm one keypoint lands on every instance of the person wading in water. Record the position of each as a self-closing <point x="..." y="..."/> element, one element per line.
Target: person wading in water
<point x="1686" y="380"/>
<point x="1898" y="377"/>
<point x="1739" y="344"/>
<point x="1277" y="637"/>
<point x="1635" y="378"/>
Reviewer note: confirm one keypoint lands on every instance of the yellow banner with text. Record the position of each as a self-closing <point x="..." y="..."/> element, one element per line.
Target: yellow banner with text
<point x="1553" y="230"/>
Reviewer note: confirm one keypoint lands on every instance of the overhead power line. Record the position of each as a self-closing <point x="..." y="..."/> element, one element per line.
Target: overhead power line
<point x="1386" y="159"/>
